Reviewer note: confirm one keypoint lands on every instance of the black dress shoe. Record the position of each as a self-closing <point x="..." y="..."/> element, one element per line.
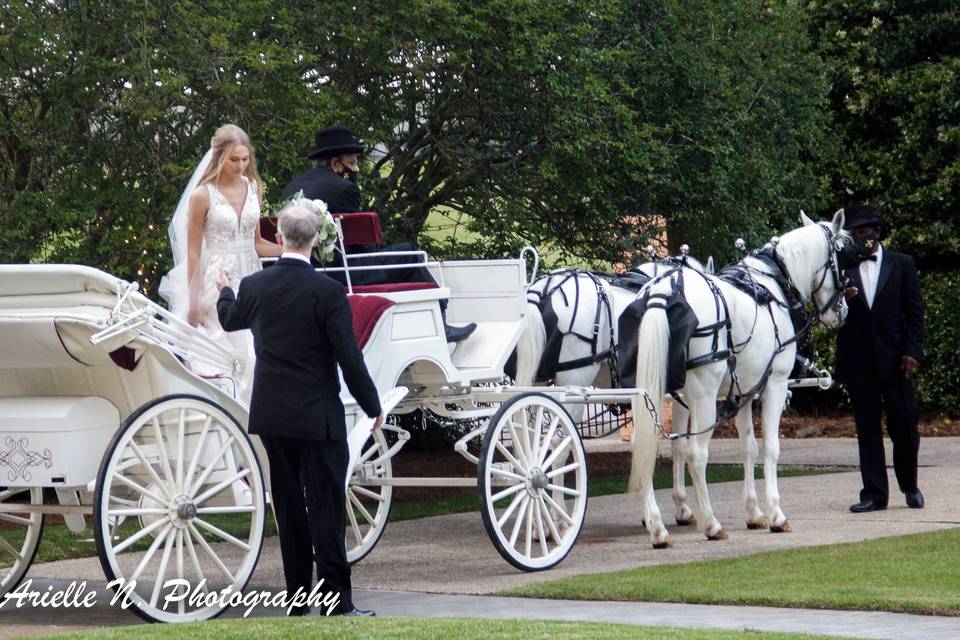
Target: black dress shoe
<point x="456" y="334"/>
<point x="915" y="499"/>
<point x="360" y="613"/>
<point x="867" y="505"/>
<point x="299" y="611"/>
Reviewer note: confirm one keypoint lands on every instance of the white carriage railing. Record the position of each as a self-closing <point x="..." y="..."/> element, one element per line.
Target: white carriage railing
<point x="156" y="325"/>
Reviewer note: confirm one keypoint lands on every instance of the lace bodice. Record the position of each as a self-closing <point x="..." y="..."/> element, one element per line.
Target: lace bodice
<point x="223" y="227"/>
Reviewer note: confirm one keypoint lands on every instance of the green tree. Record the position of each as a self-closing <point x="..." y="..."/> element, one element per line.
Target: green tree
<point x="895" y="95"/>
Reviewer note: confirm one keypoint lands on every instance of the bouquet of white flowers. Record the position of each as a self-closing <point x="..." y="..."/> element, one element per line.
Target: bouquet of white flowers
<point x="326" y="227"/>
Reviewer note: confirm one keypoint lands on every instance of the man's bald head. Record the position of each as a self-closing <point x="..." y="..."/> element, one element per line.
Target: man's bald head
<point x="298" y="226"/>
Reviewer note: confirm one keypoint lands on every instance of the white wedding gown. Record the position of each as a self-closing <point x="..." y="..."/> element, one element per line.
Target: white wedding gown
<point x="228" y="244"/>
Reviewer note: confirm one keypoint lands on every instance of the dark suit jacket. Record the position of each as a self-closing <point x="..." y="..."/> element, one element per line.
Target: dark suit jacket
<point x="302" y="329"/>
<point x="340" y="194"/>
<point x="872" y="341"/>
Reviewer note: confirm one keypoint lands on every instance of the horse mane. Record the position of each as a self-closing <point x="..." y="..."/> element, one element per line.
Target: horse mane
<point x="803" y="251"/>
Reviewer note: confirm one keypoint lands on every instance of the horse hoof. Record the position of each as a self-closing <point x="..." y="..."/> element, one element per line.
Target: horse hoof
<point x="719" y="535"/>
<point x="758" y="524"/>
<point x="666" y="544"/>
<point x="783" y="528"/>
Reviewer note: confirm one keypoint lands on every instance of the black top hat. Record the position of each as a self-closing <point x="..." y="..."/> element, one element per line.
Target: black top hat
<point x="861" y="215"/>
<point x="334" y="141"/>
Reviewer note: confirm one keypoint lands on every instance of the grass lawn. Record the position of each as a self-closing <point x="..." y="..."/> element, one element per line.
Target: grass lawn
<point x="59" y="543"/>
<point x="395" y="628"/>
<point x="918" y="573"/>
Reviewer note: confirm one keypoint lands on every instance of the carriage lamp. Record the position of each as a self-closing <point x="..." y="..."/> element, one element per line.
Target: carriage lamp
<point x="775" y="240"/>
<point x="685" y="249"/>
<point x="651" y="251"/>
<point x="741" y="245"/>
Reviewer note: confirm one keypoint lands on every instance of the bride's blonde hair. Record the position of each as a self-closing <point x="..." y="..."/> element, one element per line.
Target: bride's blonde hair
<point x="222" y="141"/>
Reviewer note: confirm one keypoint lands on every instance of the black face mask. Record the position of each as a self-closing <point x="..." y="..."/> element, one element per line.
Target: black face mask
<point x="867" y="243"/>
<point x="349" y="175"/>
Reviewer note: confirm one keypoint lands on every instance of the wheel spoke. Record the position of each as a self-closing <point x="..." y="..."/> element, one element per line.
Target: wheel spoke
<point x="220" y="486"/>
<point x="148" y="555"/>
<point x="545" y="448"/>
<point x="374" y="447"/>
<point x="213" y="556"/>
<point x="535" y="433"/>
<point x="509" y="491"/>
<point x="10" y="549"/>
<point x="209" y="468"/>
<point x="373" y="495"/>
<point x="528" y="529"/>
<point x="521" y="513"/>
<point x="353" y="524"/>
<point x="195" y="459"/>
<point x="523" y="458"/>
<point x="147" y="530"/>
<point x="6" y="517"/>
<point x="180" y="439"/>
<point x="220" y="533"/>
<point x="563" y="490"/>
<point x="561" y="448"/>
<point x="559" y="509"/>
<point x="180" y="603"/>
<point x="510" y="458"/>
<point x="497" y="471"/>
<point x="551" y="525"/>
<point x="136" y="487"/>
<point x="570" y="467"/>
<point x="192" y="551"/>
<point x="237" y="509"/>
<point x="363" y="511"/>
<point x="513" y="505"/>
<point x="150" y="471"/>
<point x="161" y="443"/>
<point x="525" y="425"/>
<point x="162" y="571"/>
<point x="541" y="536"/>
<point x="136" y="512"/>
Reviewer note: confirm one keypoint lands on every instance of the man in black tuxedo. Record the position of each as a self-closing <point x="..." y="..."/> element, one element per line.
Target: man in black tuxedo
<point x="878" y="350"/>
<point x="333" y="180"/>
<point x="302" y="330"/>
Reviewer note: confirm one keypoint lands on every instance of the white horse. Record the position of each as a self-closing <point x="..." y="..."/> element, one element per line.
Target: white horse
<point x="762" y="338"/>
<point x="576" y="299"/>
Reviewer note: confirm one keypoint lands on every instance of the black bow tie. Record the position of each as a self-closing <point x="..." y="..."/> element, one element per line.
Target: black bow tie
<point x="872" y="258"/>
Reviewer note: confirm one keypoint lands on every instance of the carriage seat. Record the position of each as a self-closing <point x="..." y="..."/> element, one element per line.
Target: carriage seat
<point x="366" y="311"/>
<point x="358" y="228"/>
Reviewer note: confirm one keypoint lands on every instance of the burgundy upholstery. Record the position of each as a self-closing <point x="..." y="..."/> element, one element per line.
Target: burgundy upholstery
<point x="366" y="311"/>
<point x="358" y="228"/>
<point x="393" y="287"/>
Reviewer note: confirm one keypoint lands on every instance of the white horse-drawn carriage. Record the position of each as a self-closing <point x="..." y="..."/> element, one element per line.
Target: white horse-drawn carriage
<point x="99" y="406"/>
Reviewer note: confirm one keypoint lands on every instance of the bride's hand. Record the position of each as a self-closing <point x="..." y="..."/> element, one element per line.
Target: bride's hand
<point x="193" y="316"/>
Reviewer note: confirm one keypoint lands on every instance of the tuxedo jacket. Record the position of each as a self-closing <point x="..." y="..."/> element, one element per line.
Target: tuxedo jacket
<point x="873" y="340"/>
<point x="302" y="329"/>
<point x="340" y="194"/>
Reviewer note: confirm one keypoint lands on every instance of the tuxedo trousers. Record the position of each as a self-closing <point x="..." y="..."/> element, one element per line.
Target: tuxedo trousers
<point x="899" y="402"/>
<point x="307" y="479"/>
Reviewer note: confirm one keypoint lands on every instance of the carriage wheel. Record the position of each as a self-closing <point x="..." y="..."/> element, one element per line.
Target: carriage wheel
<point x="532" y="480"/>
<point x="20" y="533"/>
<point x="179" y="509"/>
<point x="369" y="503"/>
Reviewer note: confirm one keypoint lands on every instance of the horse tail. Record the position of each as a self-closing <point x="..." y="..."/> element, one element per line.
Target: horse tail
<point x="530" y="347"/>
<point x="652" y="351"/>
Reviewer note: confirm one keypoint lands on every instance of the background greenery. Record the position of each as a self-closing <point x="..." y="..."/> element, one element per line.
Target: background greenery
<point x="586" y="129"/>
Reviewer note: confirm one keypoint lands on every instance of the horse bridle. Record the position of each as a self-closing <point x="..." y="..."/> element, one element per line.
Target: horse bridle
<point x="831" y="266"/>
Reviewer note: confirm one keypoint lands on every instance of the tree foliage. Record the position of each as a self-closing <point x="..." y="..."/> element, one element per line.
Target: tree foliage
<point x="548" y="122"/>
<point x="895" y="94"/>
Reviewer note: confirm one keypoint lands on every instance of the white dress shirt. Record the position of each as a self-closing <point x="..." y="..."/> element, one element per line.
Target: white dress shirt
<point x="869" y="274"/>
<point x="295" y="256"/>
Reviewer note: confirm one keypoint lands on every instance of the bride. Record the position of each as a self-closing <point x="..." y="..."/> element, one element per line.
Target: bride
<point x="215" y="227"/>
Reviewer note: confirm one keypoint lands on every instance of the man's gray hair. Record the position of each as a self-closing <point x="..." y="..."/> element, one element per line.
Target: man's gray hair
<point x="298" y="226"/>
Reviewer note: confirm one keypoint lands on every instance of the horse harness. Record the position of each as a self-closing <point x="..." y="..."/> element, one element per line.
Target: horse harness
<point x="543" y="301"/>
<point x="742" y="276"/>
